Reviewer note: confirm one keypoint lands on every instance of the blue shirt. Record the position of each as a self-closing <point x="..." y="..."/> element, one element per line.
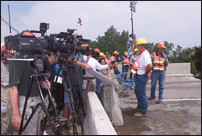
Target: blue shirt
<point x="134" y="58"/>
<point x="57" y="67"/>
<point x="79" y="70"/>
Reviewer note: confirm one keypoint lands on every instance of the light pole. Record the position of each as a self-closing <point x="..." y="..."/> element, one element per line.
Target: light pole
<point x="132" y="8"/>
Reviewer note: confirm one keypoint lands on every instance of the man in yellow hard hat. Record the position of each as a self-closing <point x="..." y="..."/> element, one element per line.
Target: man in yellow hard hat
<point x="160" y="62"/>
<point x="142" y="67"/>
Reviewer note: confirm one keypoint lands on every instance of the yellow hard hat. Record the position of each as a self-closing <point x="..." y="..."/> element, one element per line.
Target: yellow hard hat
<point x="135" y="49"/>
<point x="101" y="53"/>
<point x="125" y="53"/>
<point x="141" y="41"/>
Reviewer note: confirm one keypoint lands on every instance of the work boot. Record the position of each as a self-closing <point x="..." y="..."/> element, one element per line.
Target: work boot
<point x="151" y="98"/>
<point x="159" y="101"/>
<point x="139" y="114"/>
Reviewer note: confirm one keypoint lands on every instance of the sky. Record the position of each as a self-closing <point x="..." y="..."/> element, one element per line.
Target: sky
<point x="177" y="22"/>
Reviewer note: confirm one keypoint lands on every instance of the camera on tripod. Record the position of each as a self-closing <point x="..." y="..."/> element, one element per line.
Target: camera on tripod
<point x="64" y="45"/>
<point x="31" y="48"/>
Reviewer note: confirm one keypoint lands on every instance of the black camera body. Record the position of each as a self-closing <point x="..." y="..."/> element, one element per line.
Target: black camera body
<point x="26" y="45"/>
<point x="65" y="43"/>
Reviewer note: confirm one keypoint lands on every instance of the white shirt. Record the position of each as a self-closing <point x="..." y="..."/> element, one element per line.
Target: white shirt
<point x="129" y="42"/>
<point x="94" y="64"/>
<point x="144" y="60"/>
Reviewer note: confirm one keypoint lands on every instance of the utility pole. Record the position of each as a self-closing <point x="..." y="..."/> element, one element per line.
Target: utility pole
<point x="9" y="19"/>
<point x="10" y="25"/>
<point x="132" y="8"/>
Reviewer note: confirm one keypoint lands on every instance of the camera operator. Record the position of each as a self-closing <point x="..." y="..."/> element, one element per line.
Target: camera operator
<point x="88" y="79"/>
<point x="49" y="62"/>
<point x="20" y="73"/>
<point x="5" y="100"/>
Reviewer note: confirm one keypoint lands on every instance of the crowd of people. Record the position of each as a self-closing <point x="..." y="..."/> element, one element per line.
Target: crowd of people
<point x="15" y="80"/>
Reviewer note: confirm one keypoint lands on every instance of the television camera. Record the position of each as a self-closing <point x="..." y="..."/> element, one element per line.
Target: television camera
<point x="64" y="45"/>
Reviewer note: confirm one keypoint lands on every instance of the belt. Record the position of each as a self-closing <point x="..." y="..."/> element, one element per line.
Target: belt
<point x="142" y="75"/>
<point x="88" y="78"/>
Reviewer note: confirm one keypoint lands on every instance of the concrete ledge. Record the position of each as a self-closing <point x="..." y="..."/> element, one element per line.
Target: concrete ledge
<point x="97" y="122"/>
<point x="179" y="75"/>
<point x="178" y="68"/>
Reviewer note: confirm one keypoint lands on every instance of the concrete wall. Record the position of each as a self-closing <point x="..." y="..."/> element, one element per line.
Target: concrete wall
<point x="96" y="121"/>
<point x="173" y="68"/>
<point x="178" y="68"/>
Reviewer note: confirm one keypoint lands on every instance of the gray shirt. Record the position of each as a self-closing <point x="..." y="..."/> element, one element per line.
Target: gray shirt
<point x="4" y="73"/>
<point x="129" y="42"/>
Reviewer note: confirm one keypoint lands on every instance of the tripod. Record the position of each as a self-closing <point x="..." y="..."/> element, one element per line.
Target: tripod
<point x="54" y="123"/>
<point x="68" y="69"/>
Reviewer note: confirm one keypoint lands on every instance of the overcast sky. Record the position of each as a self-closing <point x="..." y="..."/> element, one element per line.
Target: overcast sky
<point x="177" y="22"/>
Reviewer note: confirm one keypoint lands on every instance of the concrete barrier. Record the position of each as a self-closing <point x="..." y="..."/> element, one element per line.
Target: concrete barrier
<point x="173" y="68"/>
<point x="178" y="68"/>
<point x="96" y="121"/>
<point x="111" y="105"/>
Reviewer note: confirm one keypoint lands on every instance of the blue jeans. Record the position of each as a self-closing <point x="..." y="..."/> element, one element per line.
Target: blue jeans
<point x="116" y="70"/>
<point x="75" y="89"/>
<point x="140" y="92"/>
<point x="125" y="69"/>
<point x="99" y="87"/>
<point x="67" y="96"/>
<point x="157" y="75"/>
<point x="129" y="50"/>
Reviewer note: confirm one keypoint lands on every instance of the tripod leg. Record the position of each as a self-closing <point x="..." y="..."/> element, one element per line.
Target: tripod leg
<point x="25" y="105"/>
<point x="51" y="98"/>
<point x="55" y="125"/>
<point x="43" y="123"/>
<point x="68" y="88"/>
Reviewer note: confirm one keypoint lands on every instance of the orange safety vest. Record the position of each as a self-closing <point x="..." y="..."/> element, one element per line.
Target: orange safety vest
<point x="126" y="59"/>
<point x="136" y="64"/>
<point x="158" y="63"/>
<point x="115" y="64"/>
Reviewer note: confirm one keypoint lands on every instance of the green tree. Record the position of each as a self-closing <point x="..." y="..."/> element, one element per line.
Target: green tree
<point x="169" y="48"/>
<point x="111" y="41"/>
<point x="196" y="62"/>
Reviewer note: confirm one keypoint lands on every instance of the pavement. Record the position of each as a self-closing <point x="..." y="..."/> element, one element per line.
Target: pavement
<point x="178" y="114"/>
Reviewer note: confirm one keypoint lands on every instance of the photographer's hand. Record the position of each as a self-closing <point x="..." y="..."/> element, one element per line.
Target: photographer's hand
<point x="81" y="64"/>
<point x="43" y="84"/>
<point x="88" y="67"/>
<point x="16" y="121"/>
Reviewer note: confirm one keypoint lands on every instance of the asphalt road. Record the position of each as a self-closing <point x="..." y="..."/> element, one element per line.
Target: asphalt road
<point x="178" y="114"/>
